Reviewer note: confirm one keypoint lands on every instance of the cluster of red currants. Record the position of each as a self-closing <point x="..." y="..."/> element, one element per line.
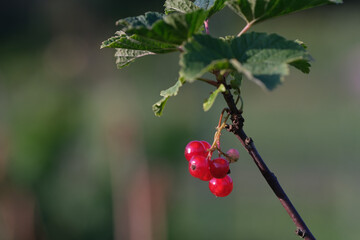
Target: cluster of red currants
<point x="215" y="171"/>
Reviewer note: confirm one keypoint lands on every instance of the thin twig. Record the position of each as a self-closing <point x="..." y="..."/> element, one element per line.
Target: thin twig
<point x="221" y="116"/>
<point x="237" y="129"/>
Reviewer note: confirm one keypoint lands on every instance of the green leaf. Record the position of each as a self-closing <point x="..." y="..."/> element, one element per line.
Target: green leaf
<point x="203" y="54"/>
<point x="122" y="40"/>
<point x="171" y="29"/>
<point x="182" y="6"/>
<point x="212" y="6"/>
<point x="301" y="43"/>
<point x="260" y="10"/>
<point x="158" y="107"/>
<point x="302" y="65"/>
<point x="262" y="58"/>
<point x="267" y="57"/>
<point x="126" y="56"/>
<point x="235" y="83"/>
<point x="153" y="33"/>
<point x="210" y="101"/>
<point x="146" y="20"/>
<point x="133" y="47"/>
<point x="267" y="81"/>
<point x="186" y="6"/>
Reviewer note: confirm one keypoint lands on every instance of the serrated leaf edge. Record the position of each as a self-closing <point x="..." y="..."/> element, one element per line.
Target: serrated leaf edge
<point x="211" y="99"/>
<point x="158" y="107"/>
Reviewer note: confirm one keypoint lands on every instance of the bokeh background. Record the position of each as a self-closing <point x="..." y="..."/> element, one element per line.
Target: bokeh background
<point x="83" y="157"/>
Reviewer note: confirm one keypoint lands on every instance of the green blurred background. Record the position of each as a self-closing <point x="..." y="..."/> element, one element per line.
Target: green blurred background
<point x="83" y="157"/>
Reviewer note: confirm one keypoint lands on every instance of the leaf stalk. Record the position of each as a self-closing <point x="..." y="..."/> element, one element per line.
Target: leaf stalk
<point x="211" y="82"/>
<point x="247" y="27"/>
<point x="206" y="25"/>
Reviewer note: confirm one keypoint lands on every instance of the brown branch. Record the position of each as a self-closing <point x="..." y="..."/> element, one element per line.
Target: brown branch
<point x="237" y="128"/>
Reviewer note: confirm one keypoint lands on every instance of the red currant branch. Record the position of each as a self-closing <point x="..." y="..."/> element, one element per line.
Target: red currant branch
<point x="237" y="129"/>
<point x="221" y="116"/>
<point x="221" y="125"/>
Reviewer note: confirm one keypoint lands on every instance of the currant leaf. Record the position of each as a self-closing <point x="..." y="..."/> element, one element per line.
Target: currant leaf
<point x="153" y="33"/>
<point x="122" y="40"/>
<point x="212" y="6"/>
<point x="235" y="83"/>
<point x="259" y="10"/>
<point x="265" y="58"/>
<point x="262" y="58"/>
<point x="210" y="101"/>
<point x="302" y="65"/>
<point x="171" y="29"/>
<point x="158" y="107"/>
<point x="126" y="56"/>
<point x="182" y="6"/>
<point x="202" y="54"/>
<point x="147" y="20"/>
<point x="186" y="6"/>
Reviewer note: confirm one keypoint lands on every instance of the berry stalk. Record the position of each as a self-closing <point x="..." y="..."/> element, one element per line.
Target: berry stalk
<point x="237" y="129"/>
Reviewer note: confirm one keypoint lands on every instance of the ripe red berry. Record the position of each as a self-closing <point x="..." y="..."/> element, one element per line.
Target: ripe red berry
<point x="199" y="168"/>
<point x="219" y="167"/>
<point x="221" y="187"/>
<point x="206" y="145"/>
<point x="195" y="148"/>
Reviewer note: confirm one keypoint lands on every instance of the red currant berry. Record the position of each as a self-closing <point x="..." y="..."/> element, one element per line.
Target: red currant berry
<point x="194" y="148"/>
<point x="207" y="146"/>
<point x="219" y="167"/>
<point x="233" y="155"/>
<point x="221" y="187"/>
<point x="199" y="168"/>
